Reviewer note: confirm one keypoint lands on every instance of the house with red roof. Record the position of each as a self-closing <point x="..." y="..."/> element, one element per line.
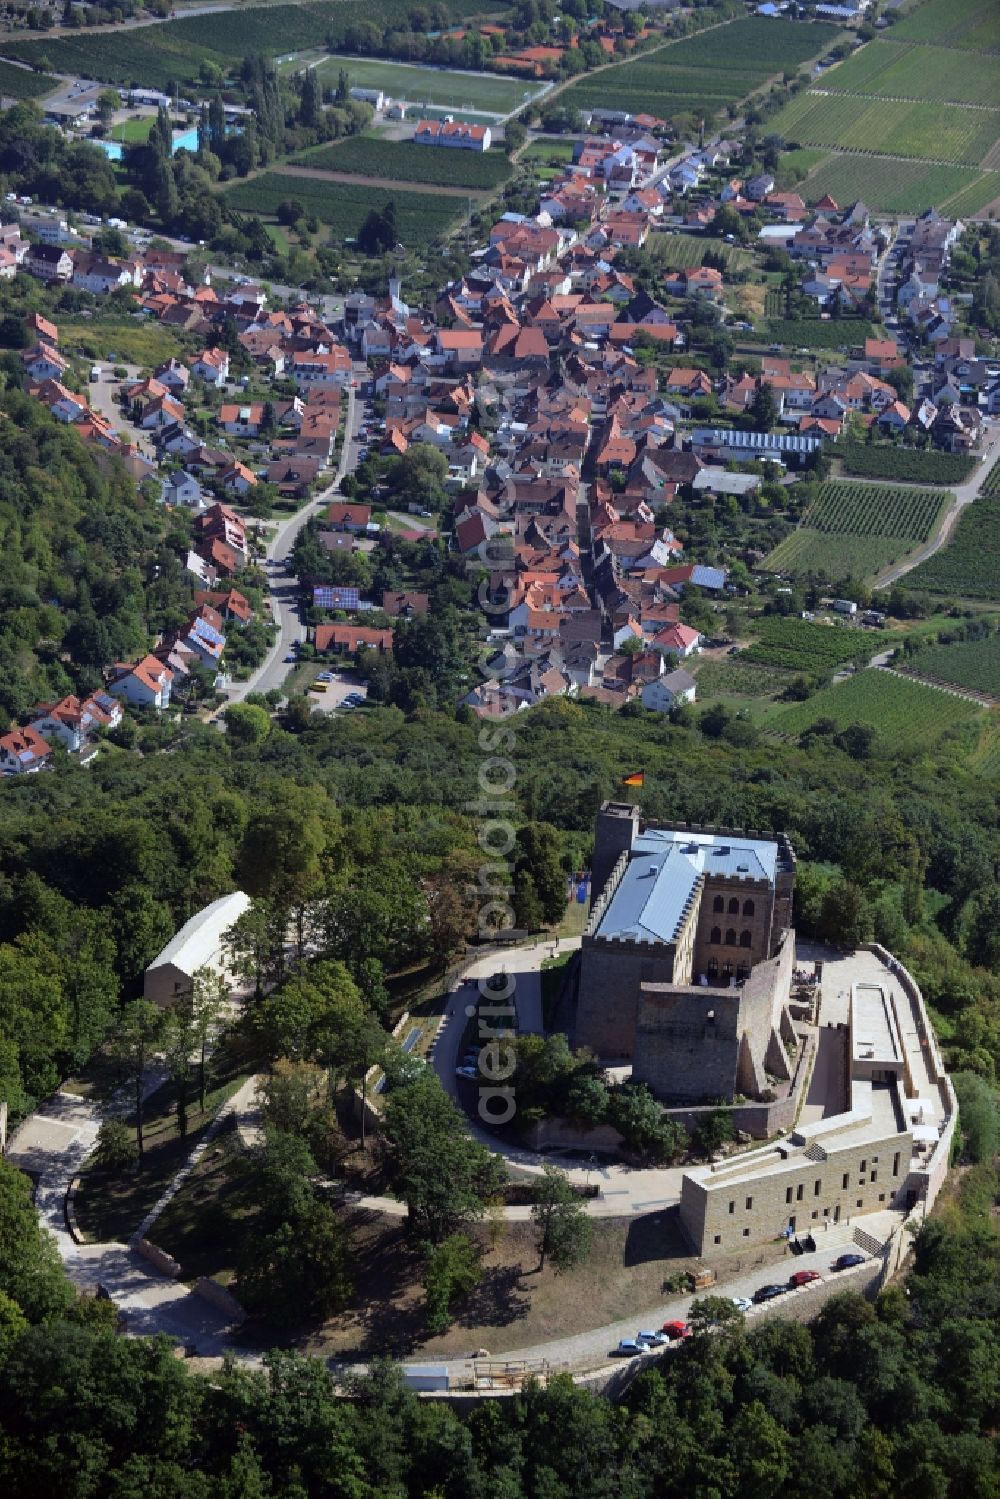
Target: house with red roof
<point x="212" y="366"/>
<point x="341" y="639"/>
<point x="23" y="751"/>
<point x="144" y="684"/>
<point x="677" y="640"/>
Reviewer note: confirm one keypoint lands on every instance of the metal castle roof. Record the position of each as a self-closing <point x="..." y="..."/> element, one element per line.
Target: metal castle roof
<point x="654" y="891"/>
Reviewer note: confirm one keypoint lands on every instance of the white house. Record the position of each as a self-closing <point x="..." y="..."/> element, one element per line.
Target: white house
<point x="72" y="721"/>
<point x="144" y="685"/>
<point x="674" y="687"/>
<point x="677" y="640"/>
<point x="454" y="134"/>
<point x="212" y="366"/>
<point x="23" y="751"/>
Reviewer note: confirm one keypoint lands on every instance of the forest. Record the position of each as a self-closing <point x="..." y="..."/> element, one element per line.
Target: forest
<point x="896" y="1398"/>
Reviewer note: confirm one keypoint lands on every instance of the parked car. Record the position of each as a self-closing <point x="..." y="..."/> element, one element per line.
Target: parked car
<point x="652" y="1339"/>
<point x="677" y="1329"/>
<point x="627" y="1348"/>
<point x="466" y="1071"/>
<point x="845" y="1261"/>
<point x="768" y="1293"/>
<point x="803" y="1278"/>
<point x="741" y="1303"/>
<point x="289" y="660"/>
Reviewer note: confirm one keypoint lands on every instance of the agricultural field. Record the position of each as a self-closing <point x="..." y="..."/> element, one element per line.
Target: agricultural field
<point x="983" y="758"/>
<point x="704" y="73"/>
<point x="817" y="333"/>
<point x="487" y="92"/>
<point x="910" y="465"/>
<point x="901" y="712"/>
<point x="896" y="71"/>
<point x="421" y="218"/>
<point x="854" y="530"/>
<point x="895" y="127"/>
<point x="967" y="663"/>
<point x="677" y="252"/>
<point x="799" y="645"/>
<point x="738" y="678"/>
<point x="972" y="24"/>
<point x="549" y="150"/>
<point x="969" y="566"/>
<point x="974" y="198"/>
<point x="403" y="161"/>
<point x="896" y="186"/>
<point x="19" y="83"/>
<point x="173" y="52"/>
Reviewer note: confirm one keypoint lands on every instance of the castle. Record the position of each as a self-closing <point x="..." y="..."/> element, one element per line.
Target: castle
<point x="686" y="961"/>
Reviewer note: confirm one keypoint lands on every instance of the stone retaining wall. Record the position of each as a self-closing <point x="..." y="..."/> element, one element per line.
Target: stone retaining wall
<point x="159" y="1257"/>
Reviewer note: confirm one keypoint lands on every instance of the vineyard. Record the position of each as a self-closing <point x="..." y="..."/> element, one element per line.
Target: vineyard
<point x="18" y="83"/>
<point x="855" y="530"/>
<point x="901" y="712"/>
<point x="912" y="465"/>
<point x="969" y="566"/>
<point x="678" y="252"/>
<point x="875" y="510"/>
<point x="815" y="333"/>
<point x="705" y="72"/>
<point x="966" y="663"/>
<point x="834" y="555"/>
<point x="421" y="218"/>
<point x="991" y="485"/>
<point x="914" y="72"/>
<point x="402" y="161"/>
<point x="174" y="51"/>
<point x="799" y="645"/>
<point x="891" y="126"/>
<point x="739" y="679"/>
<point x="972" y="24"/>
<point x="898" y="186"/>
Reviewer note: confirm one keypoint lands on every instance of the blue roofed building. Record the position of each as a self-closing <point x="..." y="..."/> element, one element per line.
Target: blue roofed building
<point x="687" y="957"/>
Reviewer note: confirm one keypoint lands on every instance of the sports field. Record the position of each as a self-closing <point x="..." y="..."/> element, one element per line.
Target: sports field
<point x="704" y="73"/>
<point x="486" y="93"/>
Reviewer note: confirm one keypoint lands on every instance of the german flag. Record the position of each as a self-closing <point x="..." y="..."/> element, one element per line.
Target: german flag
<point x="637" y="778"/>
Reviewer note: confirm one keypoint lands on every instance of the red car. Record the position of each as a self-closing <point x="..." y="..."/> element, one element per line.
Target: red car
<point x="676" y="1329"/>
<point x="803" y="1278"/>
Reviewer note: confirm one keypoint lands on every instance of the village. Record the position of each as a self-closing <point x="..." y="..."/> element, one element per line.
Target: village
<point x="569" y="399"/>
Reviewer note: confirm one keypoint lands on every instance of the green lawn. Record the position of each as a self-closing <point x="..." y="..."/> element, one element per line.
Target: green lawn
<point x="132" y="131"/>
<point x="128" y="339"/>
<point x="488" y="93"/>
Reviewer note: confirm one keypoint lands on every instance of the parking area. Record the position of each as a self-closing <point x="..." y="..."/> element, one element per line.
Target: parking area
<point x="340" y="691"/>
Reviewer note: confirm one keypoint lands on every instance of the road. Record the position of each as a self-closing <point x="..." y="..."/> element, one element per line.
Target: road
<point x="964" y="494"/>
<point x="284" y="589"/>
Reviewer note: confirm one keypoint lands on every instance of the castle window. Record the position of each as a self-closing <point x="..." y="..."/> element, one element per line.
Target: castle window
<point x="713" y="967"/>
<point x="845" y="1182"/>
<point x="718" y="904"/>
<point x="895" y="1164"/>
<point x="745" y="938"/>
<point x="798" y="1192"/>
<point x="746" y="1233"/>
<point x="749" y="1203"/>
<point x="748" y="908"/>
<point x="730" y="936"/>
<point x="732" y="1207"/>
<point x="716" y="934"/>
<point x="874" y="1176"/>
<point x="861" y="1202"/>
<point x="717" y="1239"/>
<point x="742" y="972"/>
<point x="788" y="1194"/>
<point x="734" y="907"/>
<point x="817" y="1187"/>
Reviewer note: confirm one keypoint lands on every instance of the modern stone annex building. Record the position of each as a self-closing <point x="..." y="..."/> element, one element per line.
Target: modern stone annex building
<point x="686" y="961"/>
<point x="874" y="1133"/>
<point x="198" y="944"/>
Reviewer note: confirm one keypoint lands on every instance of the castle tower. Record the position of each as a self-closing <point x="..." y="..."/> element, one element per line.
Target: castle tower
<point x="617" y="826"/>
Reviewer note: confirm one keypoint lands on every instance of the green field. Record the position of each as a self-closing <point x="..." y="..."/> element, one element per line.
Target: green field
<point x="799" y="645"/>
<point x="969" y="566"/>
<point x="902" y="713"/>
<point x="678" y="252"/>
<point x="973" y="24"/>
<point x="892" y="126"/>
<point x="18" y="83"/>
<point x="910" y="465"/>
<point x="895" y="186"/>
<point x="703" y="73"/>
<point x="817" y="333"/>
<point x="991" y="485"/>
<point x="854" y="530"/>
<point x="966" y="663"/>
<point x="488" y="92"/>
<point x="897" y="71"/>
<point x="739" y="679"/>
<point x="174" y="51"/>
<point x="402" y="161"/>
<point x="421" y="218"/>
